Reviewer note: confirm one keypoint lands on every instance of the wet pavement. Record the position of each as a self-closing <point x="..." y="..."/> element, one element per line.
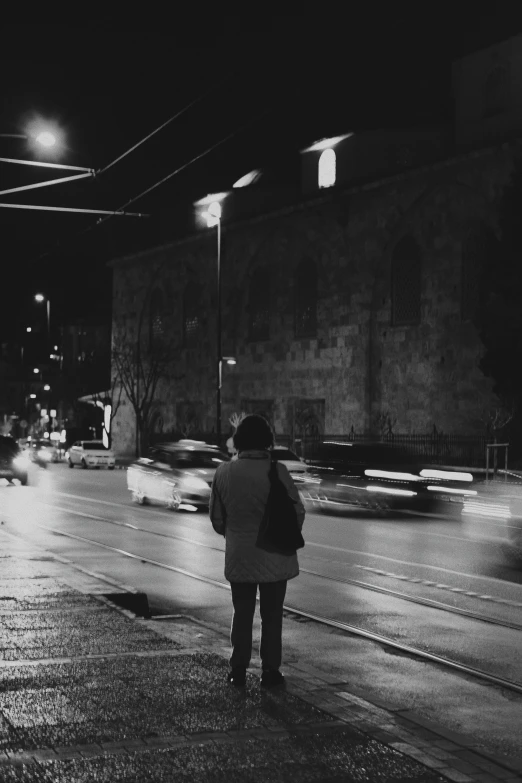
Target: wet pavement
<point x="89" y="692"/>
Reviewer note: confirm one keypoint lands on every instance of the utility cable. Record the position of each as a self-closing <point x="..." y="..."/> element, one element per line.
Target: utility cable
<point x="163" y="180"/>
<point x="153" y="133"/>
<point x="189" y="163"/>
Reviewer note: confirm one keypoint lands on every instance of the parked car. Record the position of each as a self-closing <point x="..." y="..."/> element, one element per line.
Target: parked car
<point x="380" y="477"/>
<point x="14" y="464"/>
<point x="91" y="454"/>
<point x="177" y="474"/>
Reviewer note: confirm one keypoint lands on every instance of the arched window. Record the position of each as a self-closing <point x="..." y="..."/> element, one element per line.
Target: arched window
<point x="327" y="169"/>
<point x="156" y="325"/>
<point x="259" y="305"/>
<point x="191" y="313"/>
<point x="406" y="282"/>
<point x="477" y="248"/>
<point x="495" y="91"/>
<point x="305" y="299"/>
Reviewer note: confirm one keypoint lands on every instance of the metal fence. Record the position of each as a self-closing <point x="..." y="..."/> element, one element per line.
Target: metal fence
<point x="438" y="449"/>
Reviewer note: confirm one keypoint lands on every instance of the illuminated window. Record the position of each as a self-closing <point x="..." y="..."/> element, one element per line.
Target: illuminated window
<point x="327" y="169"/>
<point x="259" y="305"/>
<point x="406" y="283"/>
<point x="305" y="299"/>
<point x="191" y="313"/>
<point x="156" y="326"/>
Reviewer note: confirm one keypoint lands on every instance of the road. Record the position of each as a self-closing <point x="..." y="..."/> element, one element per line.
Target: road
<point x="439" y="585"/>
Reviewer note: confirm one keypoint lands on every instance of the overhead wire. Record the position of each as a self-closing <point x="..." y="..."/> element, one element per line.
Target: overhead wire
<point x="101" y="171"/>
<point x="161" y="181"/>
<point x="188" y="163"/>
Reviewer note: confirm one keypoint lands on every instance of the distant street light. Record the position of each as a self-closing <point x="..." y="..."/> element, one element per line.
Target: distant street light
<point x="47" y="387"/>
<point x="42" y="298"/>
<point x="28" y="329"/>
<point x="36" y="370"/>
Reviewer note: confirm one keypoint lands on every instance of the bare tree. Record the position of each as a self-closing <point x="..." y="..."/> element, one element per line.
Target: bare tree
<point x="498" y="417"/>
<point x="235" y="420"/>
<point x="138" y="368"/>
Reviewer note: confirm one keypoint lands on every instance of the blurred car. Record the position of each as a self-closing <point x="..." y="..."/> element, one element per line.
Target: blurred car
<point x="380" y="477"/>
<point x="91" y="454"/>
<point x="499" y="502"/>
<point x="177" y="474"/>
<point x="296" y="466"/>
<point x="44" y="451"/>
<point x="14" y="464"/>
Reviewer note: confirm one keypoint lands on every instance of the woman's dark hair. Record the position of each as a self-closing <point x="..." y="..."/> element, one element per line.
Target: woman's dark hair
<point x="253" y="432"/>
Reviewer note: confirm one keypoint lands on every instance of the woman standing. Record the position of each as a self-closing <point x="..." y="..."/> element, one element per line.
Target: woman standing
<point x="237" y="505"/>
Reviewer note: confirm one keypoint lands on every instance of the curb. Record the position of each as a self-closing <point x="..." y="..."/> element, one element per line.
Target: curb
<point x="451" y="754"/>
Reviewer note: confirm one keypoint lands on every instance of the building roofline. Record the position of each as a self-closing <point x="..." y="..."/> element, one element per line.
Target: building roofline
<point x="306" y="203"/>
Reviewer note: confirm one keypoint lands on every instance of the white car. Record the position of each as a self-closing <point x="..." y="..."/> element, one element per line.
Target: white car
<point x="91" y="454"/>
<point x="178" y="475"/>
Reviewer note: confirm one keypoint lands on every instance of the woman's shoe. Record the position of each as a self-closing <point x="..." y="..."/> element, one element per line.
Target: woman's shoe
<point x="272" y="679"/>
<point x="237" y="677"/>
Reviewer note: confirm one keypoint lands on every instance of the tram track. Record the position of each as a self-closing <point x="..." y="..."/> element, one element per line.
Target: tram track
<point x="428" y="602"/>
<point x="330" y="622"/>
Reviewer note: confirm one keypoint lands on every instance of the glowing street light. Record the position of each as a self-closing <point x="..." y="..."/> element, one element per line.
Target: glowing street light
<point x="46" y="139"/>
<point x="47" y="387"/>
<point x="28" y="329"/>
<point x="36" y="370"/>
<point x="213" y="214"/>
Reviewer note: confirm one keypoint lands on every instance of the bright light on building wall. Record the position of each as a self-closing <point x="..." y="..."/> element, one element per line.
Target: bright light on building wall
<point x="247" y="179"/>
<point x="327" y="169"/>
<point x="106" y="425"/>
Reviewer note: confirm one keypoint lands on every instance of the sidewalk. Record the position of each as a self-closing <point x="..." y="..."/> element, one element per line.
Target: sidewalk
<point x="90" y="692"/>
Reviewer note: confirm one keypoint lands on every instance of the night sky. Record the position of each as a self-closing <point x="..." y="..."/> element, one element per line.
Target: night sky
<point x="290" y="79"/>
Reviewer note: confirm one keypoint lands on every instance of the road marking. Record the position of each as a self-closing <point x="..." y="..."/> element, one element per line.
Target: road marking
<point x="440" y="586"/>
<point x="492" y="579"/>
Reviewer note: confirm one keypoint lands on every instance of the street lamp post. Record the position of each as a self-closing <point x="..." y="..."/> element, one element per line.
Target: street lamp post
<point x="213" y="218"/>
<point x="219" y="349"/>
<point x="44" y="138"/>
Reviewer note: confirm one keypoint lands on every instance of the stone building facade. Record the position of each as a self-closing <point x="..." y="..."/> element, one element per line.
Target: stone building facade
<point x="352" y="309"/>
<point x="340" y="312"/>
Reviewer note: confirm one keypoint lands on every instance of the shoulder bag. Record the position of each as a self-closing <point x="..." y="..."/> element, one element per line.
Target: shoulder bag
<point x="279" y="530"/>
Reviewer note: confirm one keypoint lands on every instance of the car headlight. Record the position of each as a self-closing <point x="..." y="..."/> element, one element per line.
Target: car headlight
<point x="194" y="482"/>
<point x="22" y="463"/>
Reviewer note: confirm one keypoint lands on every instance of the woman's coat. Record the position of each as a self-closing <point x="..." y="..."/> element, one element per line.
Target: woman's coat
<point x="237" y="505"/>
